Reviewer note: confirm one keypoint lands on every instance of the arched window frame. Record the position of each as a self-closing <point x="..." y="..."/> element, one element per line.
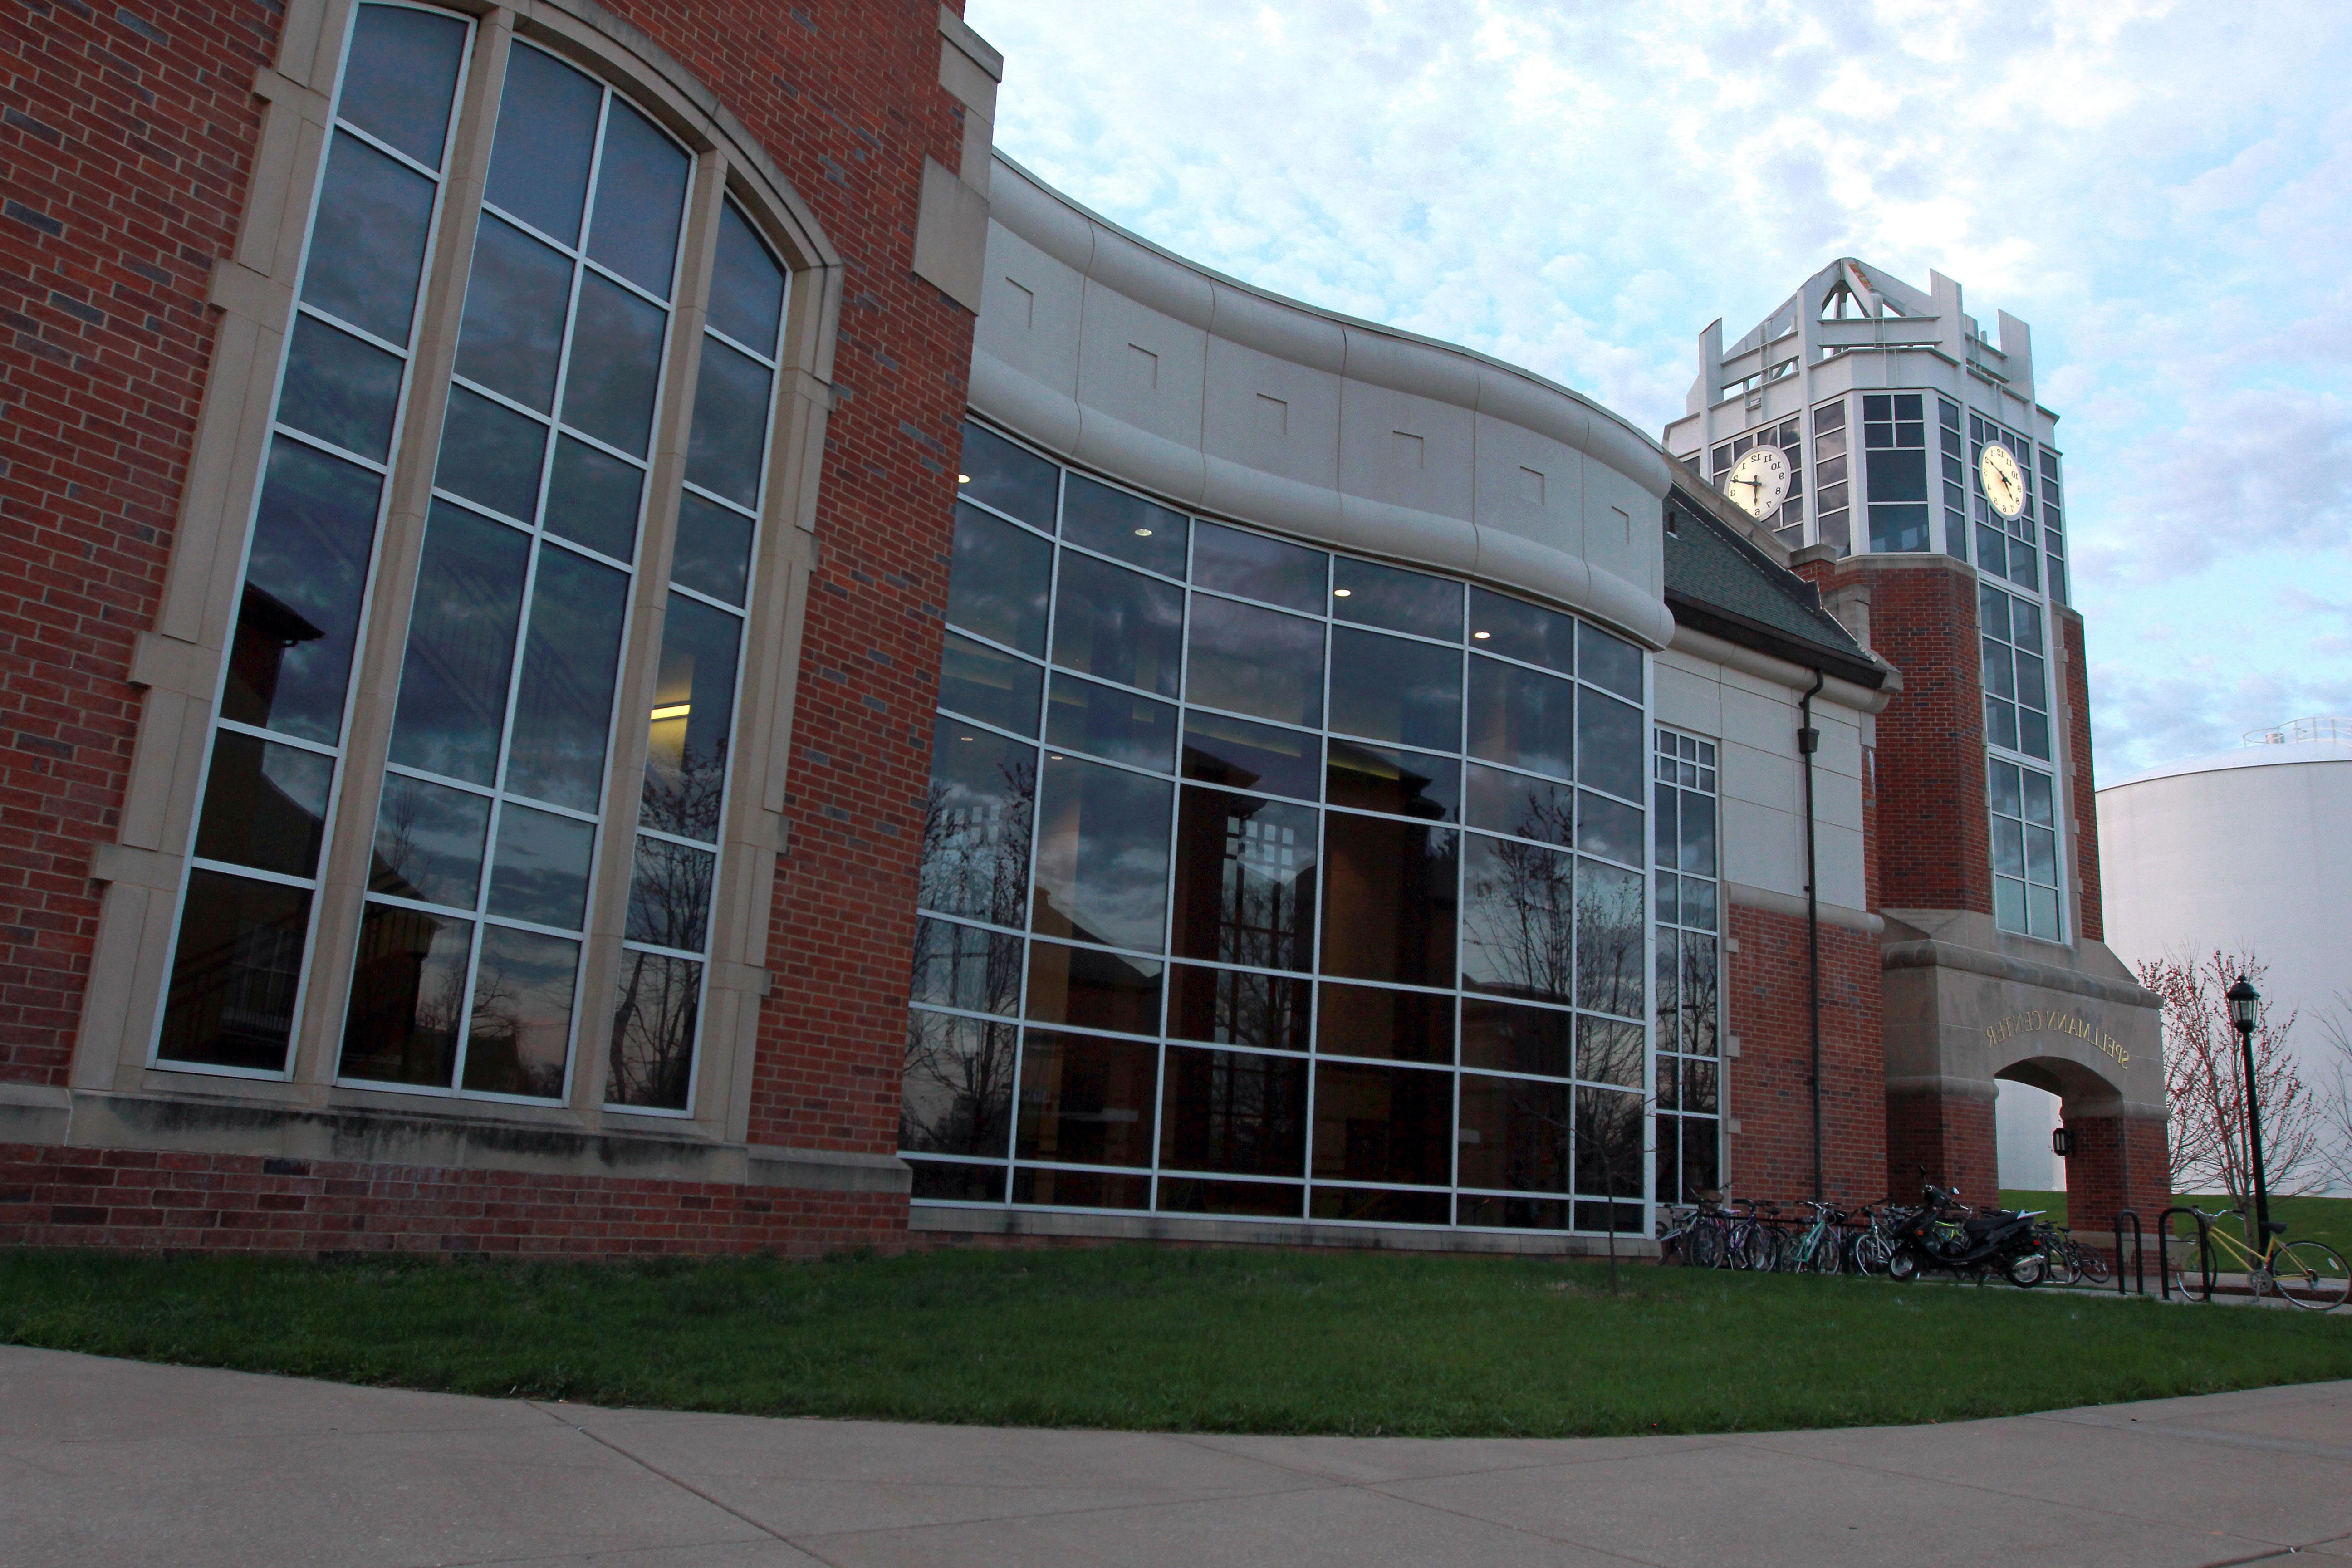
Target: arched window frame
<point x="181" y="660"/>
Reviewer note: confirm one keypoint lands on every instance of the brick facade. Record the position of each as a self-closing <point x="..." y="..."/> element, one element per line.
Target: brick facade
<point x="2118" y="1162"/>
<point x="195" y="1202"/>
<point x="1950" y="1137"/>
<point x="2082" y="789"/>
<point x="1770" y="1091"/>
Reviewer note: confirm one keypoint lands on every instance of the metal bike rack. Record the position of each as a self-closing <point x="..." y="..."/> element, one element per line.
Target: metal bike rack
<point x="2139" y="1253"/>
<point x="2204" y="1250"/>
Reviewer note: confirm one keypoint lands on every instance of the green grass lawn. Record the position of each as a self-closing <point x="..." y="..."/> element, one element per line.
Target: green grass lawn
<point x="2318" y="1219"/>
<point x="1231" y="1341"/>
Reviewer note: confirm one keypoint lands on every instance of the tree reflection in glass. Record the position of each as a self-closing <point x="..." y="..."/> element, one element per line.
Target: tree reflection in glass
<point x="1244" y="880"/>
<point x="976" y="825"/>
<point x="958" y="1092"/>
<point x="1518" y="922"/>
<point x="1609" y="956"/>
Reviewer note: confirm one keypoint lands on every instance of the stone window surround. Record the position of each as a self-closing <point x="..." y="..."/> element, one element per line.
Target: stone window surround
<point x="179" y="661"/>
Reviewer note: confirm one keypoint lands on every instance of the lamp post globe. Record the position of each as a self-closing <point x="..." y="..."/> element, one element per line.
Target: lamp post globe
<point x="2246" y="1013"/>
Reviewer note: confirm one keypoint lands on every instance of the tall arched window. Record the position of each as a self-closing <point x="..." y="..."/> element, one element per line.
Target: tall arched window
<point x="509" y="706"/>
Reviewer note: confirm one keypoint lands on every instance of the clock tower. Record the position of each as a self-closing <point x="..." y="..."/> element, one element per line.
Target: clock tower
<point x="1900" y="455"/>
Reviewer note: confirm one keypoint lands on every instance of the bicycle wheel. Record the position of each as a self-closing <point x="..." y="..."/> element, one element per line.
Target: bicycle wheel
<point x="1872" y="1254"/>
<point x="2190" y="1258"/>
<point x="2091" y="1263"/>
<point x="1706" y="1243"/>
<point x="1830" y="1255"/>
<point x="1759" y="1249"/>
<point x="2310" y="1275"/>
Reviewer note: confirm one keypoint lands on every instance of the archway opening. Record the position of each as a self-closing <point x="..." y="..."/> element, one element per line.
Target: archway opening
<point x="2024" y="1118"/>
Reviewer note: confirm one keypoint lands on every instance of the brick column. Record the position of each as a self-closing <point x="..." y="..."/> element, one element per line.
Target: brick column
<point x="2118" y="1162"/>
<point x="1950" y="1134"/>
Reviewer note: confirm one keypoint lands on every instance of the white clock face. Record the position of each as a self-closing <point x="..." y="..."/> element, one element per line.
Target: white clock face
<point x="2004" y="482"/>
<point x="1758" y="482"/>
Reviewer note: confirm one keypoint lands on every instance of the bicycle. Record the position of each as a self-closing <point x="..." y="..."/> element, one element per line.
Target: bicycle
<point x="1693" y="1237"/>
<point x="1819" y="1246"/>
<point x="2310" y="1274"/>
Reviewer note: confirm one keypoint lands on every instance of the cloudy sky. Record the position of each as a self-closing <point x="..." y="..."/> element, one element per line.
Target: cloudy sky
<point x="2159" y="189"/>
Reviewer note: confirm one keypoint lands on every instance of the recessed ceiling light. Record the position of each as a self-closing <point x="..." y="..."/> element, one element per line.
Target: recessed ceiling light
<point x="1142" y="534"/>
<point x="1482" y="636"/>
<point x="963" y="479"/>
<point x="1342" y="592"/>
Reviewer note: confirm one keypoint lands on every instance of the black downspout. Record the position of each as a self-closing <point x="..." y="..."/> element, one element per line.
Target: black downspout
<point x="1809" y="741"/>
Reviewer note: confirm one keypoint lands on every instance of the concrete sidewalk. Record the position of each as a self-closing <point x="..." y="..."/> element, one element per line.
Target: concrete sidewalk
<point x="109" y="1462"/>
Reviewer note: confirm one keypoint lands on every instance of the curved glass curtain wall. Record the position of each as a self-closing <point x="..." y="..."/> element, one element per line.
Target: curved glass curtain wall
<point x="480" y="880"/>
<point x="1262" y="882"/>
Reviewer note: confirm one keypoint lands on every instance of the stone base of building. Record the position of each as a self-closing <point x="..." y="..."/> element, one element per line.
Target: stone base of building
<point x="948" y="1224"/>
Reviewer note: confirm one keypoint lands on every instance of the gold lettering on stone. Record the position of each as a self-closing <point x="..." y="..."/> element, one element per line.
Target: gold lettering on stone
<point x="2047" y="1021"/>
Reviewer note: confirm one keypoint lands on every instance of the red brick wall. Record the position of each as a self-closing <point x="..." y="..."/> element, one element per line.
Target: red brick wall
<point x="125" y="141"/>
<point x="115" y="1197"/>
<point x="1931" y="744"/>
<point x="2098" y="1181"/>
<point x="1771" y="1155"/>
<point x="1951" y="1136"/>
<point x="2082" y="790"/>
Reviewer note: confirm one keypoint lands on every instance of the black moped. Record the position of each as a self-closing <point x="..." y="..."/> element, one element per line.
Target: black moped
<point x="1943" y="1234"/>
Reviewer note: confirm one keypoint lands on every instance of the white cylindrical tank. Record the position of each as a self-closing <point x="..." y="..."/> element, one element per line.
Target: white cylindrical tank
<point x="2247" y="851"/>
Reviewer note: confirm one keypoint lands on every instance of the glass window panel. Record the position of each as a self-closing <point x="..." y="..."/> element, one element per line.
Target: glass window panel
<point x="1102" y="855"/>
<point x="516" y="297"/>
<point x="964" y="966"/>
<point x="2039" y="807"/>
<point x="1395" y="1026"/>
<point x="616" y="343"/>
<point x="1256" y="567"/>
<point x="2042" y="856"/>
<point x="1119" y="625"/>
<point x="1999" y="670"/>
<point x="2033" y="733"/>
<point x="1609" y="661"/>
<point x="1090" y="990"/>
<point x="1387" y="689"/>
<point x="1125" y="526"/>
<point x="1701" y="1160"/>
<point x="265" y="805"/>
<point x="340" y="389"/>
<point x="1516" y="1040"/>
<point x="652" y="1065"/>
<point x="1700" y="1000"/>
<point x="520" y="1037"/>
<point x="1195" y="1195"/>
<point x="593" y="499"/>
<point x="1519" y="630"/>
<point x="367" y="242"/>
<point x="235" y="972"/>
<point x="1109" y="722"/>
<point x="2025" y="625"/>
<point x="547" y="137"/>
<point x="408" y="997"/>
<point x="2007" y="798"/>
<point x="1371" y="1205"/>
<point x="1244" y="880"/>
<point x="640" y="192"/>
<point x="491" y="453"/>
<point x="1667" y="998"/>
<point x="1608" y="745"/>
<point x="1383" y="1125"/>
<point x="402" y="73"/>
<point x="1229" y="1111"/>
<point x="1668" y="1089"/>
<point x="989" y="684"/>
<point x="1086" y="1101"/>
<point x="1399" y="601"/>
<point x="1256" y="662"/>
<point x="747" y="285"/>
<point x="1514" y="803"/>
<point x="1610" y="1138"/>
<point x="540" y="871"/>
<point x="669" y="895"/>
<point x="2041" y="912"/>
<point x="2008" y="846"/>
<point x="1389" y="900"/>
<point x="1608" y="828"/>
<point x="2001" y="723"/>
<point x="461" y="638"/>
<point x="958" y="1087"/>
<point x="1699" y="1086"/>
<point x="1698" y="904"/>
<point x="2033" y="682"/>
<point x="1610" y="950"/>
<point x="1015" y="481"/>
<point x="1666" y="823"/>
<point x="692" y="718"/>
<point x="998" y="586"/>
<point x="1666" y="910"/>
<point x="728" y="444"/>
<point x="976" y="823"/>
<point x="1515" y="1133"/>
<point x="1080" y="1189"/>
<point x="1518" y="919"/>
<point x="1236" y="1007"/>
<point x="1404" y="783"/>
<point x="1991" y="550"/>
<point x="713" y="553"/>
<point x="1512" y="1213"/>
<point x="304" y="574"/>
<point x="564" y="708"/>
<point x="1235" y="751"/>
<point x="1524" y="719"/>
<point x="428" y="842"/>
<point x="1608" y="1051"/>
<point x="2008" y="903"/>
<point x="1697" y="823"/>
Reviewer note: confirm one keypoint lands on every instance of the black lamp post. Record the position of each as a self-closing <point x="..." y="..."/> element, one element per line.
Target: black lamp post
<point x="2245" y="1009"/>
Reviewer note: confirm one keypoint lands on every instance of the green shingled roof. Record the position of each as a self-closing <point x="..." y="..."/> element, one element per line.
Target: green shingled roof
<point x="1717" y="582"/>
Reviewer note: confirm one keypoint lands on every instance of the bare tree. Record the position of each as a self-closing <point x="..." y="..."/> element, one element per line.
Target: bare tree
<point x="2205" y="1083"/>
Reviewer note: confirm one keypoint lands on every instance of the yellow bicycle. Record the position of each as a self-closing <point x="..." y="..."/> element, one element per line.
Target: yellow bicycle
<point x="2310" y="1274"/>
